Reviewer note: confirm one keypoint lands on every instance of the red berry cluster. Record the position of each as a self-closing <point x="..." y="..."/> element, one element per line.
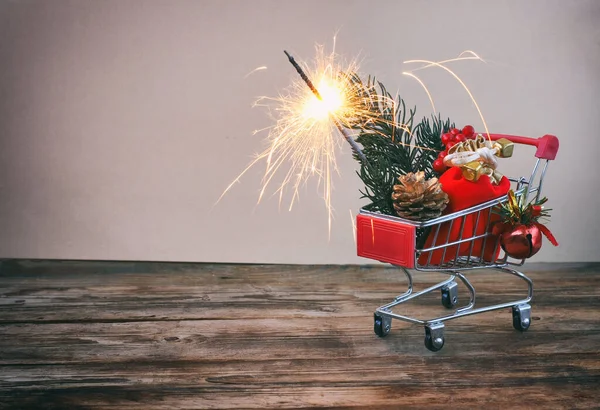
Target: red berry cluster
<point x="450" y="139"/>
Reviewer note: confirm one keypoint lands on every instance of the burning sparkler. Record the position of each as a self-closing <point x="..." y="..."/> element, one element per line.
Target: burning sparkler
<point x="339" y="126"/>
<point x="303" y="140"/>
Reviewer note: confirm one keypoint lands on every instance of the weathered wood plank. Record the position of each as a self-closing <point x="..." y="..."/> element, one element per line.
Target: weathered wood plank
<point x="175" y="336"/>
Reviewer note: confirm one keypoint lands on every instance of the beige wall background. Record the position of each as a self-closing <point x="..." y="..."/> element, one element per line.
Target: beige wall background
<point x="121" y="122"/>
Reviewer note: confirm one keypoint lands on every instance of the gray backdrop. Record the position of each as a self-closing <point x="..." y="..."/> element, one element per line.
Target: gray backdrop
<point x="121" y="122"/>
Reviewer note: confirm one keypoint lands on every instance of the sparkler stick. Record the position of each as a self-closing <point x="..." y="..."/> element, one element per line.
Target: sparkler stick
<point x="339" y="126"/>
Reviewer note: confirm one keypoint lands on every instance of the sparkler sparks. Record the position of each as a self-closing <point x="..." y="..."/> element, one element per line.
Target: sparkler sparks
<point x="304" y="140"/>
<point x="328" y="102"/>
<point x="331" y="100"/>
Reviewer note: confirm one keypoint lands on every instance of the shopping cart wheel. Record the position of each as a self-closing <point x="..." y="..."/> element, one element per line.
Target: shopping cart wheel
<point x="450" y="295"/>
<point x="382" y="325"/>
<point x="434" y="336"/>
<point x="521" y="317"/>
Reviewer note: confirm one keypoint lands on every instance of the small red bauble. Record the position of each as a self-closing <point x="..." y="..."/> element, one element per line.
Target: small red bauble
<point x="522" y="241"/>
<point x="460" y="138"/>
<point x="450" y="144"/>
<point x="454" y="131"/>
<point x="468" y="131"/>
<point x="446" y="138"/>
<point x="442" y="155"/>
<point x="438" y="166"/>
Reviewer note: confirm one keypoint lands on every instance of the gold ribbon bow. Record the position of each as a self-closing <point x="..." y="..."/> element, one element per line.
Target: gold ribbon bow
<point x="477" y="157"/>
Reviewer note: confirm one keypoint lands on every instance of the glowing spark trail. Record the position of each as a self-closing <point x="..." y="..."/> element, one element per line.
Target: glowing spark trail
<point x="264" y="67"/>
<point x="440" y="64"/>
<point x="473" y="56"/>
<point x="353" y="223"/>
<point x="424" y="87"/>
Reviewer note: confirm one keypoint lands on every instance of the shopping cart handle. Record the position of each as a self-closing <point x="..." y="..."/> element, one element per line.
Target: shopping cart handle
<point x="547" y="146"/>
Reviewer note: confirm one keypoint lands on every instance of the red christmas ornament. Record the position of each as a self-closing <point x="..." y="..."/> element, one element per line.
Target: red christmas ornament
<point x="442" y="155"/>
<point x="520" y="230"/>
<point x="522" y="241"/>
<point x="446" y="138"/>
<point x="454" y="131"/>
<point x="468" y="131"/>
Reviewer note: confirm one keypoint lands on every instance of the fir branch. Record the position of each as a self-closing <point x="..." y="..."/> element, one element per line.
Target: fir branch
<point x="392" y="144"/>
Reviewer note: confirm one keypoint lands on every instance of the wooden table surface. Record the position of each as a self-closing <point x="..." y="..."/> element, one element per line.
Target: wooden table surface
<point x="79" y="335"/>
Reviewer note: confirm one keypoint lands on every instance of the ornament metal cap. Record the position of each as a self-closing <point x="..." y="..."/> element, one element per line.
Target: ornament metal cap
<point x="505" y="147"/>
<point x="472" y="171"/>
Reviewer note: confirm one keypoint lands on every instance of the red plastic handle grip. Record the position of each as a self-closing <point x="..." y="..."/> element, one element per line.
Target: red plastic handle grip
<point x="547" y="146"/>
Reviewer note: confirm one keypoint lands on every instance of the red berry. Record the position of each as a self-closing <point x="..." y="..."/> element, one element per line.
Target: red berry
<point x="450" y="144"/>
<point x="446" y="138"/>
<point x="536" y="210"/>
<point x="438" y="166"/>
<point x="442" y="154"/>
<point x="460" y="138"/>
<point x="454" y="131"/>
<point x="468" y="131"/>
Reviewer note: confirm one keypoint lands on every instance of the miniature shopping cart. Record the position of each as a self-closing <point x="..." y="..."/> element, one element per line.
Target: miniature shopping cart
<point x="408" y="245"/>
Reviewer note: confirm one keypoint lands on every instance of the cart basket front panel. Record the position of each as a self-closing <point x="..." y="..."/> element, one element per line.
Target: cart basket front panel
<point x="385" y="241"/>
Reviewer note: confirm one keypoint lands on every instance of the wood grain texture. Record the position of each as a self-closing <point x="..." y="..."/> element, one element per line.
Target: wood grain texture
<point x="81" y="335"/>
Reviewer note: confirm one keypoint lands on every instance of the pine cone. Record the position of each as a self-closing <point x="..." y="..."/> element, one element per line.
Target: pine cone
<point x="419" y="199"/>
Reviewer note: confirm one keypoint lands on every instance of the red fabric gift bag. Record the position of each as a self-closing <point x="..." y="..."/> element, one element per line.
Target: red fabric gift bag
<point x="464" y="194"/>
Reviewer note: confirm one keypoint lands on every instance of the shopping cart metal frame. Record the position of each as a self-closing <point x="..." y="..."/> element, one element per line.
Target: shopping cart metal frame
<point x="401" y="242"/>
